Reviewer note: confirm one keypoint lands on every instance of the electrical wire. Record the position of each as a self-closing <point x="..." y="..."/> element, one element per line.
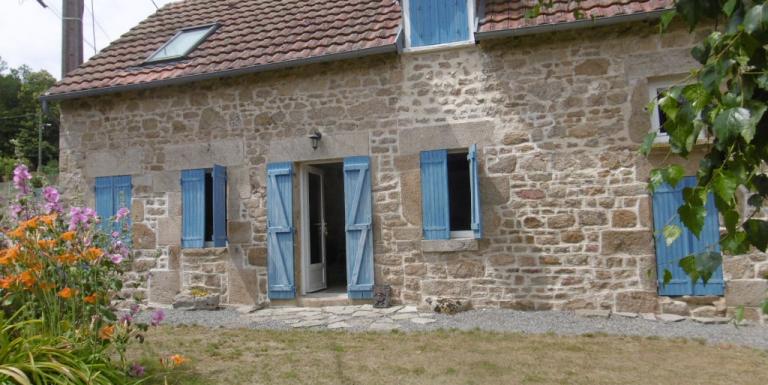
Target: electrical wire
<point x="155" y="4"/>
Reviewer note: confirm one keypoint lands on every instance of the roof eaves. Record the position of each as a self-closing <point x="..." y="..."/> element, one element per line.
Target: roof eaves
<point x="586" y="23"/>
<point x="222" y="74"/>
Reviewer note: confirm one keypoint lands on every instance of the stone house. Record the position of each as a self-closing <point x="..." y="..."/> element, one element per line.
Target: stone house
<point x="305" y="151"/>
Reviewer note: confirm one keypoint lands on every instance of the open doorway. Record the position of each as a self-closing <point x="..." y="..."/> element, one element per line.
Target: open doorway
<point x="324" y="253"/>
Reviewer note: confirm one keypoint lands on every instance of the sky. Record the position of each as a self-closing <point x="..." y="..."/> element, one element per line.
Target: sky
<point x="31" y="34"/>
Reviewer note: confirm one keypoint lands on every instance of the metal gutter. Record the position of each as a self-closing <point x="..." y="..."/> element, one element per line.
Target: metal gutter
<point x="587" y="23"/>
<point x="222" y="74"/>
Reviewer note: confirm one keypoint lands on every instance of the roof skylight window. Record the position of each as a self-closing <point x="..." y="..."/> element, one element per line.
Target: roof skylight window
<point x="182" y="43"/>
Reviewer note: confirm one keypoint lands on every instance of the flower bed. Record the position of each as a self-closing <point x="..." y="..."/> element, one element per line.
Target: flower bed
<point x="59" y="273"/>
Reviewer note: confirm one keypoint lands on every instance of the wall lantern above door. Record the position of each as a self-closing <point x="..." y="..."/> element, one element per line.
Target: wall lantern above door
<point x="315" y="137"/>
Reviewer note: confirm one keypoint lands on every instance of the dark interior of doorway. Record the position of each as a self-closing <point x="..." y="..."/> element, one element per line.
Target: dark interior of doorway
<point x="335" y="241"/>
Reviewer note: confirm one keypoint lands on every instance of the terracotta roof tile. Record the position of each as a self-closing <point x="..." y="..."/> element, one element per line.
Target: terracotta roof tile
<point x="257" y="33"/>
<point x="508" y="15"/>
<point x="250" y="33"/>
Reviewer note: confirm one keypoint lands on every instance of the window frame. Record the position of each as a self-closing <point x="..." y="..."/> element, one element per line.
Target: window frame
<point x="662" y="138"/>
<point x="471" y="25"/>
<point x="468" y="234"/>
<point x="211" y="29"/>
<point x="206" y="243"/>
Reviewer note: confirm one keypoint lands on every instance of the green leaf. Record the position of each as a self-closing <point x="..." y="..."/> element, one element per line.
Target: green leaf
<point x="693" y="217"/>
<point x="731" y="122"/>
<point x="666" y="19"/>
<point x="762" y="81"/>
<point x="757" y="233"/>
<point x="674" y="174"/>
<point x="671" y="234"/>
<point x="731" y="219"/>
<point x="730" y="6"/>
<point x="764" y="306"/>
<point x="748" y="132"/>
<point x="753" y="21"/>
<point x="688" y="264"/>
<point x="647" y="145"/>
<point x="701" y="265"/>
<point x="656" y="180"/>
<point x="701" y="52"/>
<point x="724" y="184"/>
<point x="667" y="277"/>
<point x="735" y="243"/>
<point x="533" y="12"/>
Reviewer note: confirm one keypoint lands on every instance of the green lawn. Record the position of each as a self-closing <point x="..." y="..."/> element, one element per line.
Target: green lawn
<point x="219" y="356"/>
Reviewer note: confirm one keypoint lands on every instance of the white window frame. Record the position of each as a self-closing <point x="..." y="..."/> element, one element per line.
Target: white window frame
<point x="407" y="22"/>
<point x="653" y="88"/>
<point x="211" y="29"/>
<point x="460" y="234"/>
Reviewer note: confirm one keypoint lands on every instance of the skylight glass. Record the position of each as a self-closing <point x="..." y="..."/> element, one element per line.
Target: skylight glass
<point x="181" y="44"/>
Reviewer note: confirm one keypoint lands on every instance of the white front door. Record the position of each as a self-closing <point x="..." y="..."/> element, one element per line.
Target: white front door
<point x="316" y="230"/>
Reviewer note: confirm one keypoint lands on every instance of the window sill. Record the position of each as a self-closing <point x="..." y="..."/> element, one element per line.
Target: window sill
<point x="438" y="47"/>
<point x="449" y="245"/>
<point x="662" y="142"/>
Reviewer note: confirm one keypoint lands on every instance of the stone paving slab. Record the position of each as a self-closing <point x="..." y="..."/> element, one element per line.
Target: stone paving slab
<point x="343" y="317"/>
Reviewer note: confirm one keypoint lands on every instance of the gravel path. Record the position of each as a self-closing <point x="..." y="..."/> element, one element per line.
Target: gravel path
<point x="563" y="323"/>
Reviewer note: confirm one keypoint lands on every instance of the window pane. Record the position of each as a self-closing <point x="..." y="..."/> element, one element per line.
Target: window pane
<point x="315" y="220"/>
<point x="438" y="21"/>
<point x="208" y="206"/>
<point x="459" y="192"/>
<point x="179" y="45"/>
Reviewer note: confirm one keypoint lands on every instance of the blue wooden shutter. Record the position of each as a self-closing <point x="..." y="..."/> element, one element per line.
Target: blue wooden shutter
<point x="280" y="231"/>
<point x="357" y="204"/>
<point x="436" y="216"/>
<point x="438" y="21"/>
<point x="474" y="181"/>
<point x="193" y="208"/>
<point x="666" y="201"/>
<point x="219" y="206"/>
<point x="121" y="192"/>
<point x="708" y="240"/>
<point x="105" y="207"/>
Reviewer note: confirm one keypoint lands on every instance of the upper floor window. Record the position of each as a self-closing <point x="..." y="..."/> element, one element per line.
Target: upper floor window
<point x="182" y="43"/>
<point x="435" y="22"/>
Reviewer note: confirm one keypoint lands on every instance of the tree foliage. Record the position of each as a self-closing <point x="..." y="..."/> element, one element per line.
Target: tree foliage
<point x="724" y="101"/>
<point x="20" y="110"/>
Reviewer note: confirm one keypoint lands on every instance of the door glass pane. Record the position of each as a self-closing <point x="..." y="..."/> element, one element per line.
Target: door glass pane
<point x="315" y="219"/>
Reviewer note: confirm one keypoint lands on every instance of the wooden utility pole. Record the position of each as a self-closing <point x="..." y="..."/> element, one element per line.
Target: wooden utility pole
<point x="71" y="35"/>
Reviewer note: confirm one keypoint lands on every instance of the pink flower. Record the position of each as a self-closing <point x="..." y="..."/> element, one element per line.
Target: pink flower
<point x="16" y="211"/>
<point x="157" y="317"/>
<point x="52" y="198"/>
<point x="115" y="234"/>
<point x="116" y="258"/>
<point x="20" y="177"/>
<point x="136" y="370"/>
<point x="81" y="215"/>
<point x="122" y="213"/>
<point x="135" y="309"/>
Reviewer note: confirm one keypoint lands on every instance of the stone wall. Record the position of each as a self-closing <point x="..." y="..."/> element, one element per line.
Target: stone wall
<point x="557" y="117"/>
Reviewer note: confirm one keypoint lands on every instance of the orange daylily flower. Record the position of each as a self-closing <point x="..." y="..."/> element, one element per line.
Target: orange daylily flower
<point x="27" y="279"/>
<point x="7" y="282"/>
<point x="48" y="219"/>
<point x="66" y="293"/>
<point x="68" y="236"/>
<point x="178" y="359"/>
<point x="9" y="256"/>
<point x="106" y="332"/>
<point x="46" y="243"/>
<point x="31" y="224"/>
<point x="67" y="258"/>
<point x="93" y="253"/>
<point x="47" y="285"/>
<point x="17" y="233"/>
<point x="91" y="298"/>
